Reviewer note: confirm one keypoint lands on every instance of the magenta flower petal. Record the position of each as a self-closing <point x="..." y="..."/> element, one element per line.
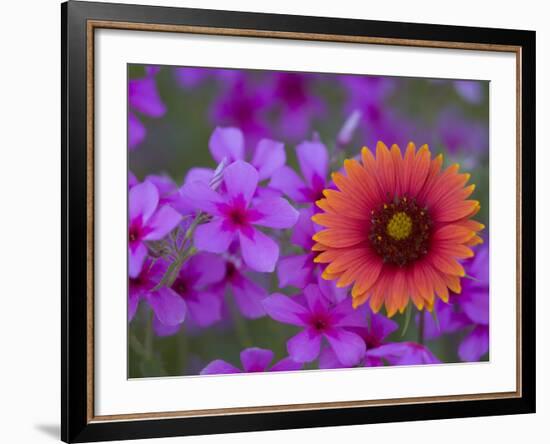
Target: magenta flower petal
<point x="269" y="156"/>
<point x="206" y="269"/>
<point x="142" y="202"/>
<point x="315" y="300"/>
<point x="276" y="213"/>
<point x="305" y="346"/>
<point x="330" y="291"/>
<point x="284" y="309"/>
<point x="295" y="270"/>
<point x="132" y="179"/>
<point x="163" y="329"/>
<point x="256" y="359"/>
<point x="475" y="345"/>
<point x="259" y="251"/>
<point x="219" y="367"/>
<point x="169" y="307"/>
<point x="403" y="353"/>
<point x="348" y="347"/>
<point x="133" y="302"/>
<point x="143" y="96"/>
<point x="241" y="179"/>
<point x="286" y="365"/>
<point x="313" y="160"/>
<point x="205" y="308"/>
<point x="212" y="237"/>
<point x="162" y="222"/>
<point x="346" y="316"/>
<point x="199" y="174"/>
<point x="328" y="359"/>
<point x="287" y="181"/>
<point x="136" y="131"/>
<point x="249" y="297"/>
<point x="136" y="256"/>
<point x="227" y="143"/>
<point x="381" y="327"/>
<point x="304" y="230"/>
<point x="469" y="90"/>
<point x="201" y="196"/>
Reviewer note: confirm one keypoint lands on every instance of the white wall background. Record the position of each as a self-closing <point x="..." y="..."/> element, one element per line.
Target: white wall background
<point x="30" y="221"/>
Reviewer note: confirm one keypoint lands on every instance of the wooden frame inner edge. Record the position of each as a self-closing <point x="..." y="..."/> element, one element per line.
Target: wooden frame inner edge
<point x="96" y="24"/>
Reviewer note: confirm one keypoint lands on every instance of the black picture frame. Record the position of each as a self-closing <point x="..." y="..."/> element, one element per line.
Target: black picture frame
<point x="76" y="423"/>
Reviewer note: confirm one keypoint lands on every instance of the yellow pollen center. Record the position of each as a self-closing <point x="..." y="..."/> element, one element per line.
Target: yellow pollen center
<point x="400" y="226"/>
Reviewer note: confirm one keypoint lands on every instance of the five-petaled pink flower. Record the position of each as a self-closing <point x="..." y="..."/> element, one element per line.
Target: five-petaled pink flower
<point x="234" y="216"/>
<point x="320" y="320"/>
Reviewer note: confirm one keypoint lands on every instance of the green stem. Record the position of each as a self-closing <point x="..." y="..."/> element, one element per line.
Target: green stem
<point x="241" y="329"/>
<point x="421" y="323"/>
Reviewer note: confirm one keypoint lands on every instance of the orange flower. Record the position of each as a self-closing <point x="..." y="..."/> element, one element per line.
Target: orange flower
<point x="396" y="227"/>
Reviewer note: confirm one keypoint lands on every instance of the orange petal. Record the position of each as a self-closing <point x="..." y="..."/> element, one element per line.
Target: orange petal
<point x="342" y="204"/>
<point x="453" y="282"/>
<point x="446" y="264"/>
<point x="337" y="221"/>
<point x="456" y="250"/>
<point x="346" y="260"/>
<point x="348" y="276"/>
<point x="453" y="233"/>
<point x="367" y="277"/>
<point x="385" y="169"/>
<point x="364" y="180"/>
<point x="455" y="211"/>
<point x="476" y="240"/>
<point x="339" y="237"/>
<point x="360" y="300"/>
<point x="398" y="168"/>
<point x="421" y="167"/>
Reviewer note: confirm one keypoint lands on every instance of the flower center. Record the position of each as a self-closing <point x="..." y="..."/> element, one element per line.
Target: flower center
<point x="400" y="231"/>
<point x="181" y="287"/>
<point x="400" y="226"/>
<point x="238" y="217"/>
<point x="320" y="324"/>
<point x="133" y="234"/>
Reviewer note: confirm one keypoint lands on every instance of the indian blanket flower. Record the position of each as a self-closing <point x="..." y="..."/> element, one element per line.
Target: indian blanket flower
<point x="320" y="320"/>
<point x="168" y="306"/>
<point x="234" y="216"/>
<point x="313" y="159"/>
<point x="397" y="227"/>
<point x="144" y="99"/>
<point x="148" y="221"/>
<point x="253" y="360"/>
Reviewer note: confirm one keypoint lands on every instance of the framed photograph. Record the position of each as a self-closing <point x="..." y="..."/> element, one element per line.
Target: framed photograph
<point x="275" y="221"/>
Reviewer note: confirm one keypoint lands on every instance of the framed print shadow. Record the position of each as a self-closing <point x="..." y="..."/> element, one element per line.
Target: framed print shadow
<point x="275" y="221"/>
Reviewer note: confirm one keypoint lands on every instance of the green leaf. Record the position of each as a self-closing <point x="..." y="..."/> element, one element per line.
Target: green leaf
<point x="408" y="312"/>
<point x="435" y="318"/>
